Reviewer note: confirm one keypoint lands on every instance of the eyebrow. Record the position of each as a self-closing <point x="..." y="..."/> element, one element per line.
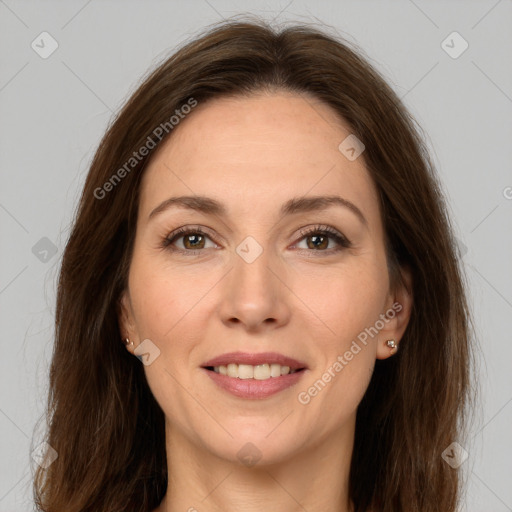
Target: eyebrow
<point x="207" y="205"/>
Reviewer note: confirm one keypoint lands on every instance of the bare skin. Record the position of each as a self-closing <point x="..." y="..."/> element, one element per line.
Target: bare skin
<point x="305" y="296"/>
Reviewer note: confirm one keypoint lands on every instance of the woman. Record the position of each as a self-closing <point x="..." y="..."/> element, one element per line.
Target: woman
<point x="260" y="305"/>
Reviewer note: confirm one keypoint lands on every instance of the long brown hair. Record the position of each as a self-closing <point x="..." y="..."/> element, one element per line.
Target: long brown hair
<point x="102" y="419"/>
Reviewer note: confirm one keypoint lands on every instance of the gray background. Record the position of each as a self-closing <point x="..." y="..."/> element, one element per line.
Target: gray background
<point x="54" y="111"/>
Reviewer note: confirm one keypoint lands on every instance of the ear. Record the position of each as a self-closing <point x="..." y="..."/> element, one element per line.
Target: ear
<point x="397" y="315"/>
<point x="126" y="319"/>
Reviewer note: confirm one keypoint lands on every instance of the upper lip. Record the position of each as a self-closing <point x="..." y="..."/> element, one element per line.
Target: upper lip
<point x="255" y="359"/>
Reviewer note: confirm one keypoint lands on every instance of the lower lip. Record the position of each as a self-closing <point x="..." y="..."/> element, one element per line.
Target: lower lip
<point x="252" y="388"/>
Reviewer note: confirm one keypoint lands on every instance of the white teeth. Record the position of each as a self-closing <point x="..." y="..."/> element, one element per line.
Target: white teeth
<point x="245" y="371"/>
<point x="258" y="372"/>
<point x="275" y="370"/>
<point x="232" y="370"/>
<point x="262" y="372"/>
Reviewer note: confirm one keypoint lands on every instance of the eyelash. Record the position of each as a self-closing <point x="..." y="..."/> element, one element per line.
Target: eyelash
<point x="322" y="230"/>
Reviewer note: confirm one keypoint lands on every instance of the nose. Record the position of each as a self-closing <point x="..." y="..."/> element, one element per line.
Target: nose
<point x="255" y="296"/>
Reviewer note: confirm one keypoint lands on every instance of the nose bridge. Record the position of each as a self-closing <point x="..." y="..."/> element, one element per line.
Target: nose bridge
<point x="253" y="294"/>
<point x="251" y="268"/>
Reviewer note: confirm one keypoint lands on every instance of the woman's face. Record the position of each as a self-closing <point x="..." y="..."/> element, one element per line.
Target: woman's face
<point x="261" y="276"/>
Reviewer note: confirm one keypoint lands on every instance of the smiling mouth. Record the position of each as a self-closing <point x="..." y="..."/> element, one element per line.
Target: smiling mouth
<point x="256" y="372"/>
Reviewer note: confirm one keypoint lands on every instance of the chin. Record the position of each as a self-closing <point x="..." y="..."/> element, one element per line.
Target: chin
<point x="251" y="447"/>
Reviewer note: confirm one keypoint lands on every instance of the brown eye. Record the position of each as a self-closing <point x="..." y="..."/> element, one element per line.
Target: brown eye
<point x="187" y="241"/>
<point x="317" y="242"/>
<point x="318" y="238"/>
<point x="193" y="241"/>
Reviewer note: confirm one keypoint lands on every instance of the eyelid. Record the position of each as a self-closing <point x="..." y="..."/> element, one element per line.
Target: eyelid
<point x="342" y="241"/>
<point x="183" y="231"/>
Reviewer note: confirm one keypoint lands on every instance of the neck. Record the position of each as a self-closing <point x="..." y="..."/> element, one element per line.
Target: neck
<point x="315" y="479"/>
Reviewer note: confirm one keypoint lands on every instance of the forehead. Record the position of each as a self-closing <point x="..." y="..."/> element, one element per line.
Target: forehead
<point x="255" y="153"/>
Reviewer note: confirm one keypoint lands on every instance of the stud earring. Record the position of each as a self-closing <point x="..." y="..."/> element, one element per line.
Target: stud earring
<point x="127" y="342"/>
<point x="392" y="345"/>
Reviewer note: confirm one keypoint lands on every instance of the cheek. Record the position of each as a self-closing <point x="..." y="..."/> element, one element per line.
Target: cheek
<point x="172" y="308"/>
<point x="346" y="300"/>
<point x="169" y="307"/>
<point x="335" y="393"/>
<point x="162" y="298"/>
